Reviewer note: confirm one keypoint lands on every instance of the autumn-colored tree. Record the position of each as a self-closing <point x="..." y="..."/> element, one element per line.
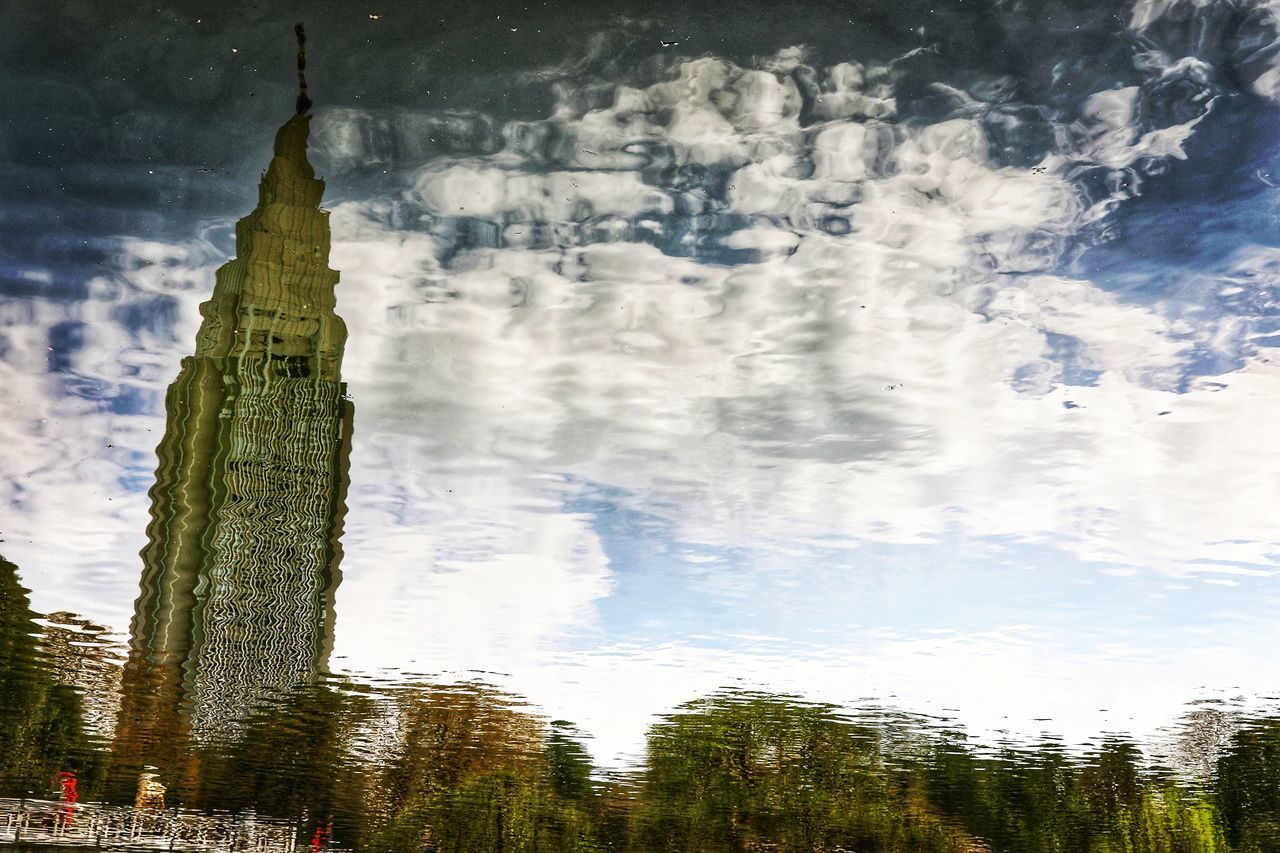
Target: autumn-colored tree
<point x="473" y="771"/>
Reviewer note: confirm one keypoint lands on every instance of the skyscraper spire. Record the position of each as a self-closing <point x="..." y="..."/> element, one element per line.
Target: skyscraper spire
<point x="275" y="301"/>
<point x="304" y="102"/>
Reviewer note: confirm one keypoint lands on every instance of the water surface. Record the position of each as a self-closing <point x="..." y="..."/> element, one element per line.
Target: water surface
<point x="643" y="390"/>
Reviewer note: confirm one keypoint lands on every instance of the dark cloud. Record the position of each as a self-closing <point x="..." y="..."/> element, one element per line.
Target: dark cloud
<point x="190" y="81"/>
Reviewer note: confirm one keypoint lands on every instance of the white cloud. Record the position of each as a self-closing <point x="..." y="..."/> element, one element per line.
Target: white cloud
<point x="774" y="338"/>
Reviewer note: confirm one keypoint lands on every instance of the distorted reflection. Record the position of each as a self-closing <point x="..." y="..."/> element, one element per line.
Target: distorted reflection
<point x="428" y="767"/>
<point x="837" y="436"/>
<point x="242" y="558"/>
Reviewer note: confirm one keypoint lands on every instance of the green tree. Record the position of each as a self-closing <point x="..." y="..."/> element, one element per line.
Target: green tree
<point x="41" y="721"/>
<point x="750" y="771"/>
<point x="1037" y="797"/>
<point x="1249" y="786"/>
<point x="294" y="759"/>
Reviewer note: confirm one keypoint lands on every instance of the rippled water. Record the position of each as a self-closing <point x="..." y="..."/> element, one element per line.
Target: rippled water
<point x="800" y="426"/>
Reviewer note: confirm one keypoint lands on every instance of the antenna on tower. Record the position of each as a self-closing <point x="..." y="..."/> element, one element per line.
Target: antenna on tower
<point x="304" y="103"/>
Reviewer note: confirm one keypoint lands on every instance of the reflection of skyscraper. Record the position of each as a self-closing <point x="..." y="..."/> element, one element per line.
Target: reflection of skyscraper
<point x="86" y="657"/>
<point x="242" y="558"/>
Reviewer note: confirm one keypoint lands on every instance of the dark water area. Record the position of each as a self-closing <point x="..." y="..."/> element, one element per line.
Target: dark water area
<point x="614" y="426"/>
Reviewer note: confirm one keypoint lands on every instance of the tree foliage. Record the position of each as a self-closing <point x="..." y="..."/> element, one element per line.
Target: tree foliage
<point x="465" y="767"/>
<point x="42" y="729"/>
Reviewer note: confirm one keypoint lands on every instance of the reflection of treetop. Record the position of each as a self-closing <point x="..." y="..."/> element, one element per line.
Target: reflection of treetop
<point x="466" y="767"/>
<point x="42" y="729"/>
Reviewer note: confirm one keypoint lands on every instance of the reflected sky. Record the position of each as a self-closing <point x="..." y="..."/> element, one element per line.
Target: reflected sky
<point x="929" y="357"/>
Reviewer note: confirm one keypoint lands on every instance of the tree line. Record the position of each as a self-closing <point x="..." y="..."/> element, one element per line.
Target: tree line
<point x="465" y="768"/>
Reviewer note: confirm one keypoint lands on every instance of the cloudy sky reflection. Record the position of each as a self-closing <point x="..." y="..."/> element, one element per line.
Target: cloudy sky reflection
<point x="852" y="375"/>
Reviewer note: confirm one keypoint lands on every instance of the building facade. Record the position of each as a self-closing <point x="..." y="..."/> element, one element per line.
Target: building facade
<point x="242" y="559"/>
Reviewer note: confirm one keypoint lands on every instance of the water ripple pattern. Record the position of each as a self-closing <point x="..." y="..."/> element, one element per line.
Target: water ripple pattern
<point x="924" y="354"/>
